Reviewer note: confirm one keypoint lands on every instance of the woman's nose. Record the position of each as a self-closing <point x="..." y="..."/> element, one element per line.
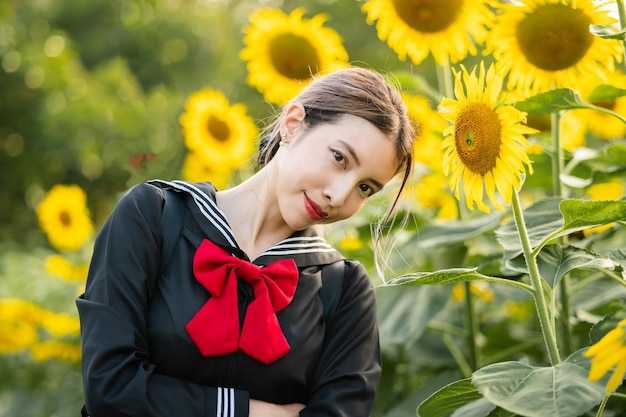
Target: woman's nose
<point x="337" y="194"/>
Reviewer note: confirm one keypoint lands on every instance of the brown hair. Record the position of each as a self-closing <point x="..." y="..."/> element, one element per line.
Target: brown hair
<point x="358" y="92"/>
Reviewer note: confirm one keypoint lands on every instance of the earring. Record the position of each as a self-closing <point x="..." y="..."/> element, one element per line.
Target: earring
<point x="283" y="140"/>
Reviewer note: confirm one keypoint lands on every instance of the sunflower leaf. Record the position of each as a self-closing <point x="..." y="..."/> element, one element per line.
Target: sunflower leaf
<point x="551" y="218"/>
<point x="606" y="93"/>
<point x="448" y="399"/>
<point x="552" y="101"/>
<point x="555" y="261"/>
<point x="582" y="214"/>
<point x="606" y="32"/>
<point x="562" y="390"/>
<point x="448" y="276"/>
<point x="608" y="323"/>
<point x="542" y="219"/>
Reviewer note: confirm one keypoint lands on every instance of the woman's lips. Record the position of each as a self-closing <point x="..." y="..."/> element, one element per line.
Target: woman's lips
<point x="315" y="211"/>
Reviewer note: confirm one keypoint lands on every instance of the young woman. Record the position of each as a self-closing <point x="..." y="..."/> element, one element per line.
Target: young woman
<point x="232" y="323"/>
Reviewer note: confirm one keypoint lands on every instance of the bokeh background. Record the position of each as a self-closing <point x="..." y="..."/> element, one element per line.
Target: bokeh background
<point x="97" y="96"/>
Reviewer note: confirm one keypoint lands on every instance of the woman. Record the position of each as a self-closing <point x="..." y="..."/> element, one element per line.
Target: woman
<point x="232" y="323"/>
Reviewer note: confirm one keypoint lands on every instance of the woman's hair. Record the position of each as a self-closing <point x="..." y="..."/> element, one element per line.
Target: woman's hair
<point x="358" y="92"/>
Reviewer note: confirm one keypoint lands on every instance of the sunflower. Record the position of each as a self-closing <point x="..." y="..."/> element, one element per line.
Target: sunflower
<point x="607" y="353"/>
<point x="547" y="43"/>
<point x="603" y="125"/>
<point x="430" y="192"/>
<point x="284" y="52"/>
<point x="221" y="133"/>
<point x="484" y="146"/>
<point x="447" y="29"/>
<point x="59" y="266"/>
<point x="64" y="217"/>
<point x="197" y="168"/>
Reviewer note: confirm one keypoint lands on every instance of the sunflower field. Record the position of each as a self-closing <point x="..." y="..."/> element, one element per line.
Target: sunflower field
<point x="500" y="284"/>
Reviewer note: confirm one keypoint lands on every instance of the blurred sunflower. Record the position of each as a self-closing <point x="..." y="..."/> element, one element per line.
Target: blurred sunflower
<point x="573" y="131"/>
<point x="430" y="130"/>
<point x="197" y="168"/>
<point x="568" y="52"/>
<point x="602" y="125"/>
<point x="447" y="29"/>
<point x="284" y="52"/>
<point x="59" y="266"/>
<point x="430" y="192"/>
<point x="484" y="145"/>
<point x="64" y="217"/>
<point x="611" y="190"/>
<point x="222" y="134"/>
<point x="609" y="352"/>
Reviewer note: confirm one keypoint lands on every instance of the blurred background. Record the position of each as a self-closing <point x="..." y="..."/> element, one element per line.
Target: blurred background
<point x="97" y="96"/>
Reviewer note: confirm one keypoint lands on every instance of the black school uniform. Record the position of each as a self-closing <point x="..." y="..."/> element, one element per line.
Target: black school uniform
<point x="138" y="359"/>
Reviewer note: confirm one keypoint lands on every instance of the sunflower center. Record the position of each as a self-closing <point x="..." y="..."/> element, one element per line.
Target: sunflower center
<point x="554" y="36"/>
<point x="218" y="128"/>
<point x="294" y="57"/>
<point x="477" y="135"/>
<point x="65" y="218"/>
<point x="428" y="16"/>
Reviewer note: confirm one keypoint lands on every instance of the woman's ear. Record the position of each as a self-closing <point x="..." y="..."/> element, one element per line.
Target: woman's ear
<point x="292" y="119"/>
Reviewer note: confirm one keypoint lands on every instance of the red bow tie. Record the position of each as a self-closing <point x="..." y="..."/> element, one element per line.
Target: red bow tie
<point x="215" y="328"/>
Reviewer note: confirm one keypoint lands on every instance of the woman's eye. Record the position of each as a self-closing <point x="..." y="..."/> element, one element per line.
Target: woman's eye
<point x="366" y="189"/>
<point x="339" y="158"/>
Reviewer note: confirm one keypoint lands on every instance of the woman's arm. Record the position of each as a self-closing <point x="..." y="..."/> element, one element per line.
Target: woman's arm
<point x="119" y="380"/>
<point x="349" y="368"/>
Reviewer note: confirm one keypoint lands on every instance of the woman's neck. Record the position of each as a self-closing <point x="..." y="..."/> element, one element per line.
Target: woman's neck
<point x="253" y="214"/>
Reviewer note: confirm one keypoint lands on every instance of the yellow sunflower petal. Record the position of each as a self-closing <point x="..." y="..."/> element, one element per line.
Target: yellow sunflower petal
<point x="449" y="30"/>
<point x="617" y="377"/>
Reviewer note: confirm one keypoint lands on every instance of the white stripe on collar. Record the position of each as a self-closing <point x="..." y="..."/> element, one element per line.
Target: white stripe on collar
<point x="207" y="207"/>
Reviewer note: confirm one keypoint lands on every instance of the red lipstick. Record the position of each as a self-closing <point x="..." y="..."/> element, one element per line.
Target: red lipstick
<point x="314" y="211"/>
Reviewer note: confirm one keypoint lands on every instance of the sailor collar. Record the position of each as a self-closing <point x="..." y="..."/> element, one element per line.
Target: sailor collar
<point x="306" y="247"/>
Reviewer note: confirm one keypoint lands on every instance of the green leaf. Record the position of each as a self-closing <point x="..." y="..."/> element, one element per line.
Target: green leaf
<point x="477" y="408"/>
<point x="608" y="323"/>
<point x="606" y="32"/>
<point x="582" y="214"/>
<point x="552" y="101"/>
<point x="448" y="399"/>
<point x="444" y="276"/>
<point x="448" y="276"/>
<point x="552" y="217"/>
<point x="610" y="160"/>
<point x="403" y="313"/>
<point x="558" y="391"/>
<point x="606" y="93"/>
<point x="555" y="261"/>
<point x="542" y="219"/>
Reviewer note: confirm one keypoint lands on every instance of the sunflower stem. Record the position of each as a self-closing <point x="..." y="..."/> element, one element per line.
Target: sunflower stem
<point x="538" y="293"/>
<point x="471" y="326"/>
<point x="557" y="168"/>
<point x="444" y="76"/>
<point x="557" y="160"/>
<point x="621" y="11"/>
<point x="602" y="405"/>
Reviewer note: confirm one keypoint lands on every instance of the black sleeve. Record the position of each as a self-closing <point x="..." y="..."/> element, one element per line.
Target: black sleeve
<point x="349" y="368"/>
<point x="118" y="378"/>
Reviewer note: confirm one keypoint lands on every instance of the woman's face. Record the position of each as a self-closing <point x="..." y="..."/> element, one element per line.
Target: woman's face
<point x="327" y="173"/>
